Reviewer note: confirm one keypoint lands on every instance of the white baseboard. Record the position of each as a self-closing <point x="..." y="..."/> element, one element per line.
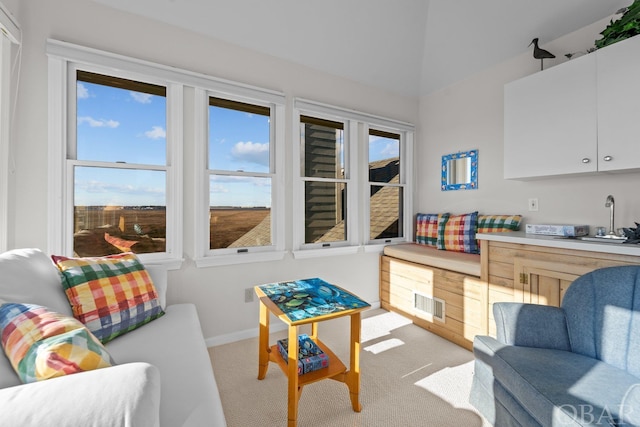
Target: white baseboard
<point x="253" y="332"/>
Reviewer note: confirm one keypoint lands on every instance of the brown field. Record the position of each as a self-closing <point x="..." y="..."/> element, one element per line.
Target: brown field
<point x="228" y="225"/>
<point x="91" y="224"/>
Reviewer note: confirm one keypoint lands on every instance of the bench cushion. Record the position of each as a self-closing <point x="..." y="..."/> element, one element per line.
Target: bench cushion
<point x="455" y="261"/>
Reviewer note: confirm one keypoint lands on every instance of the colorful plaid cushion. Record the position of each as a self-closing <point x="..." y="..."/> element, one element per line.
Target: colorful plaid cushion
<point x="111" y="295"/>
<point x="498" y="223"/>
<point x="42" y="344"/>
<point x="459" y="233"/>
<point x="427" y="228"/>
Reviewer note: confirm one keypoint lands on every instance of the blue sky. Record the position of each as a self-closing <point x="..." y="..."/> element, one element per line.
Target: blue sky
<point x="118" y="125"/>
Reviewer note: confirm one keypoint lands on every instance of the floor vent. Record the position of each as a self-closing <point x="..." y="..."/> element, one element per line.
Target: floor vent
<point x="433" y="307"/>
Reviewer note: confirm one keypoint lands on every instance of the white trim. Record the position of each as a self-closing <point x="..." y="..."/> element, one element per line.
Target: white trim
<point x="331" y="110"/>
<point x="239" y="258"/>
<point x="175" y="177"/>
<point x="329" y="251"/>
<point x="57" y="119"/>
<point x="9" y="26"/>
<point x="5" y="136"/>
<point x="201" y="190"/>
<point x="86" y="55"/>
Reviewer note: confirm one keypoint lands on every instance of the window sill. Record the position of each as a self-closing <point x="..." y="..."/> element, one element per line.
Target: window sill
<point x="241" y="258"/>
<point x="316" y="253"/>
<point x="379" y="246"/>
<point x="166" y="263"/>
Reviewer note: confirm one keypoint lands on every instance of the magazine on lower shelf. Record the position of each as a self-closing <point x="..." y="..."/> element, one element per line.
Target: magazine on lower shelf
<point x="310" y="356"/>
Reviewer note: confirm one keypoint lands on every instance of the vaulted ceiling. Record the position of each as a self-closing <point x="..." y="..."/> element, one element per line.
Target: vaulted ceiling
<point x="409" y="47"/>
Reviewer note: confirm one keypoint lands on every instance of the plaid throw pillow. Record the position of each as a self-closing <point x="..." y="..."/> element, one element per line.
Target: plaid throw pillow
<point x="459" y="233"/>
<point x="42" y="344"/>
<point x="498" y="223"/>
<point x="427" y="228"/>
<point x="111" y="295"/>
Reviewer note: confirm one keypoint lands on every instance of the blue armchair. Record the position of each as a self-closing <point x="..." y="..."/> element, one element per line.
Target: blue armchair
<point x="578" y="365"/>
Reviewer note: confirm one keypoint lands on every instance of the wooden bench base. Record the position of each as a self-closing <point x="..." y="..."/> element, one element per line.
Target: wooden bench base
<point x="465" y="298"/>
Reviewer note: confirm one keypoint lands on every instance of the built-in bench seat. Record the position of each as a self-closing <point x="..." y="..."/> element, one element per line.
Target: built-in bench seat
<point x="420" y="254"/>
<point x="436" y="281"/>
<point x="439" y="290"/>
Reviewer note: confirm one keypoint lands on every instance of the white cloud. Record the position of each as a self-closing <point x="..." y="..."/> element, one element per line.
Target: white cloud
<point x="252" y="152"/>
<point x="390" y="150"/>
<point x="142" y="98"/>
<point x="82" y="91"/>
<point x="100" y="193"/>
<point x="218" y="189"/>
<point x="156" y="133"/>
<point x="95" y="123"/>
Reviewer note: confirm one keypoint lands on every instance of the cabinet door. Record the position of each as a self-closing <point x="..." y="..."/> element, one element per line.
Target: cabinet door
<point x="618" y="68"/>
<point x="544" y="282"/>
<point x="550" y="121"/>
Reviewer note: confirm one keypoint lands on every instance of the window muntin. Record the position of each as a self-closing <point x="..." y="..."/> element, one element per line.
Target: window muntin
<point x="119" y="165"/>
<point x="324" y="172"/>
<point x="386" y="200"/>
<point x="240" y="160"/>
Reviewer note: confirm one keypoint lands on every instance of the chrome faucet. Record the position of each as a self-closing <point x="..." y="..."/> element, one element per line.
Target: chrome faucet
<point x="610" y="203"/>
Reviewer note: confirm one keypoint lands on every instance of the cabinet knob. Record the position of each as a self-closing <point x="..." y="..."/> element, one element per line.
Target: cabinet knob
<point x="607" y="158"/>
<point x="586" y="160"/>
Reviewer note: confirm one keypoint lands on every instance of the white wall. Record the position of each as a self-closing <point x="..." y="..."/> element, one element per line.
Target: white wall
<point x="469" y="115"/>
<point x="217" y="291"/>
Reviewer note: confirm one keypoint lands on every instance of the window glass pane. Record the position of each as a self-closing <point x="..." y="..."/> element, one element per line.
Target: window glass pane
<point x="239" y="136"/>
<point x="119" y="120"/>
<point x="322" y="148"/>
<point x="384" y="156"/>
<point x="119" y="210"/>
<point x="325" y="212"/>
<point x="385" y="212"/>
<point x="239" y="212"/>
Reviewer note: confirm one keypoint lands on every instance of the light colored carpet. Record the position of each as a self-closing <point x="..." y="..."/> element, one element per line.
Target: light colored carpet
<point x="409" y="377"/>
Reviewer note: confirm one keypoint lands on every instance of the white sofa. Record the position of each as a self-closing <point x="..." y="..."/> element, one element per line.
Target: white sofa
<point x="163" y="374"/>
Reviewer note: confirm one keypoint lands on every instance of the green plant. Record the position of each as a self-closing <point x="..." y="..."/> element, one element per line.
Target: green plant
<point x="632" y="234"/>
<point x="627" y="26"/>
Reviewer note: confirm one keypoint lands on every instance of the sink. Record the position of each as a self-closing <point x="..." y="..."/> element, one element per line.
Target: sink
<point x="609" y="238"/>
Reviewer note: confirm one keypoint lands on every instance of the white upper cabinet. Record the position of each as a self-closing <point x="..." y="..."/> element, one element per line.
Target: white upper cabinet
<point x="550" y="121"/>
<point x="619" y="106"/>
<point x="577" y="117"/>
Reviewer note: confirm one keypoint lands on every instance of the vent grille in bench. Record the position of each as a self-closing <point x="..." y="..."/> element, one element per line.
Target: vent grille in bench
<point x="433" y="307"/>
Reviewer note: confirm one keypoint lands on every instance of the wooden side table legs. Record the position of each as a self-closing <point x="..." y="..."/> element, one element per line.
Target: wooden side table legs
<point x="263" y="350"/>
<point x="353" y="375"/>
<point x="292" y="366"/>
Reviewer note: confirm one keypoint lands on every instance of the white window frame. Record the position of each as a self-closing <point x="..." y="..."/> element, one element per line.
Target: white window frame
<point x="10" y="35"/>
<point x="64" y="59"/>
<point x="205" y="257"/>
<point x="358" y="194"/>
<point x="406" y="174"/>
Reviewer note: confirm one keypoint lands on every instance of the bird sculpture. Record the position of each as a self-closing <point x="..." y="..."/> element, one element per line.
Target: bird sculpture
<point x="539" y="53"/>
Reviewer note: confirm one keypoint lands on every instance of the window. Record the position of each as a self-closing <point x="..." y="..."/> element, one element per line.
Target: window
<point x="120" y="166"/>
<point x="118" y="173"/>
<point x="116" y="161"/>
<point x="386" y="190"/>
<point x="324" y="173"/>
<point x="352" y="187"/>
<point x="240" y="174"/>
<point x="242" y="183"/>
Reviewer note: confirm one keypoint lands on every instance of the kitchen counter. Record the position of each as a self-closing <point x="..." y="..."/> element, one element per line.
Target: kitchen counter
<point x="521" y="237"/>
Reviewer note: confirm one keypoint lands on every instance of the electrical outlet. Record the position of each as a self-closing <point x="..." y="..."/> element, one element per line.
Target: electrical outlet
<point x="248" y="295"/>
<point x="533" y="205"/>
